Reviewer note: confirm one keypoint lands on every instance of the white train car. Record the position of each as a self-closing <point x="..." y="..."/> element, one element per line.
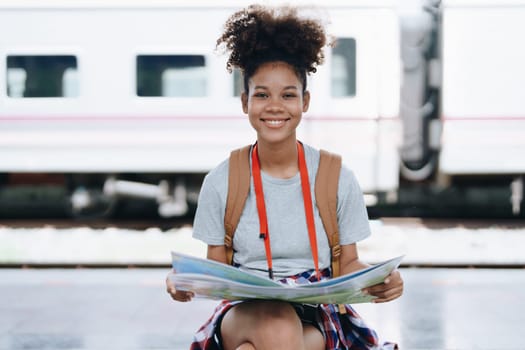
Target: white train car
<point x="117" y="98"/>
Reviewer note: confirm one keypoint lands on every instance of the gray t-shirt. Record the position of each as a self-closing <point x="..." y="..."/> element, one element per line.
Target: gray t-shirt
<point x="290" y="245"/>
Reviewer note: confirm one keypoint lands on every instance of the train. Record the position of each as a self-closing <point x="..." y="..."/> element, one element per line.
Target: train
<point x="108" y="105"/>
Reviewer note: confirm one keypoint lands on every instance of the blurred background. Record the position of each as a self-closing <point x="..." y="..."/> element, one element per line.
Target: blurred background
<point x="112" y="112"/>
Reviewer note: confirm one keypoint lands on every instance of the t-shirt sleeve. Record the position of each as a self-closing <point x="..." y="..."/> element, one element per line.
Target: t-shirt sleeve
<point x="208" y="224"/>
<point x="351" y="210"/>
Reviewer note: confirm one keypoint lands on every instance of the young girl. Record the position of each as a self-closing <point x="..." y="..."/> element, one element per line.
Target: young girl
<point x="275" y="49"/>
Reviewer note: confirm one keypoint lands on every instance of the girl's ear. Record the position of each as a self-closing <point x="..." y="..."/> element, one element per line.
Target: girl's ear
<point x="244" y="100"/>
<point x="306" y="101"/>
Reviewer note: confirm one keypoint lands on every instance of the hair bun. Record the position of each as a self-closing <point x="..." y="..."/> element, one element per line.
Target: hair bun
<point x="259" y="34"/>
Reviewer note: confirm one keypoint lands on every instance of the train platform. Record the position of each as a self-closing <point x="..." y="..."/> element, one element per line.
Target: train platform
<point x="471" y="298"/>
<point x="92" y="309"/>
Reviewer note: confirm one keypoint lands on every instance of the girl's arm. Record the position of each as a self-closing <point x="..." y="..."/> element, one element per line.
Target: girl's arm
<point x="217" y="253"/>
<point x="390" y="289"/>
<point x="349" y="259"/>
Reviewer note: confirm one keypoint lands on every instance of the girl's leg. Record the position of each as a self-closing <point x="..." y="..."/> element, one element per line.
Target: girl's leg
<point x="266" y="325"/>
<point x="313" y="338"/>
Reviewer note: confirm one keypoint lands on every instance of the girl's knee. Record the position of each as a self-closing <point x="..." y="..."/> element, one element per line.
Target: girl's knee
<point x="278" y="322"/>
<point x="246" y="346"/>
<point x="275" y="314"/>
<point x="313" y="338"/>
<point x="265" y="322"/>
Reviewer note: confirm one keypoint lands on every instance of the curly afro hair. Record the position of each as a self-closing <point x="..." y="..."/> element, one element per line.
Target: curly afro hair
<point x="258" y="34"/>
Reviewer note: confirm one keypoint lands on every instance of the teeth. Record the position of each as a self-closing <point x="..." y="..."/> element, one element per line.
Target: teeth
<point x="274" y="122"/>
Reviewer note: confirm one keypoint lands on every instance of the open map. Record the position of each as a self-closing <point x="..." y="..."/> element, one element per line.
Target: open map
<point x="210" y="279"/>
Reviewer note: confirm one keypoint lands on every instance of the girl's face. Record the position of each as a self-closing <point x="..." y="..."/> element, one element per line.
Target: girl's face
<point x="275" y="102"/>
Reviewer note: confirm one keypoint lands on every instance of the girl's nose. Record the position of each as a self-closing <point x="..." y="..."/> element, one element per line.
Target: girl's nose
<point x="274" y="106"/>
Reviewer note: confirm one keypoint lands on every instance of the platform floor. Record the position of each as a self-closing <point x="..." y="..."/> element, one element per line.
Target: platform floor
<point x="129" y="309"/>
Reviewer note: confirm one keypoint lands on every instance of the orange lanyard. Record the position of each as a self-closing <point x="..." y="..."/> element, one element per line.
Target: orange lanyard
<point x="261" y="207"/>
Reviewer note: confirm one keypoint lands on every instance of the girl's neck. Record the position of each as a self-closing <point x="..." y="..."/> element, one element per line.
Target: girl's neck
<point x="278" y="160"/>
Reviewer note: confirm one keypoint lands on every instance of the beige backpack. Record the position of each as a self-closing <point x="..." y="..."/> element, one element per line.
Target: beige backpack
<point x="326" y="184"/>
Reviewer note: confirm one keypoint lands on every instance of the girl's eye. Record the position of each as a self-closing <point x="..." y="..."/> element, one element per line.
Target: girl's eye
<point x="260" y="95"/>
<point x="289" y="96"/>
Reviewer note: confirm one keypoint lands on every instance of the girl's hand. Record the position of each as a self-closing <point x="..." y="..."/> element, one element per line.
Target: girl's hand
<point x="390" y="289"/>
<point x="178" y="295"/>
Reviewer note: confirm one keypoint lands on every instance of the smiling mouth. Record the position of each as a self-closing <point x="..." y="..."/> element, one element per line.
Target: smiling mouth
<point x="274" y="122"/>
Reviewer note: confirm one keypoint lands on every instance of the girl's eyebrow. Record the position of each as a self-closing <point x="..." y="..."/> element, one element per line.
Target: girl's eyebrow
<point x="285" y="88"/>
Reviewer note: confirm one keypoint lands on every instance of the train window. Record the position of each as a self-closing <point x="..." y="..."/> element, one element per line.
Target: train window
<point x="343" y="79"/>
<point x="42" y="76"/>
<point x="171" y="75"/>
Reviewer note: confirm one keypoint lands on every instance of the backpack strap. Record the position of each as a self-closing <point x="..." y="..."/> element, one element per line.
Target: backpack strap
<point x="326" y="185"/>
<point x="238" y="189"/>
